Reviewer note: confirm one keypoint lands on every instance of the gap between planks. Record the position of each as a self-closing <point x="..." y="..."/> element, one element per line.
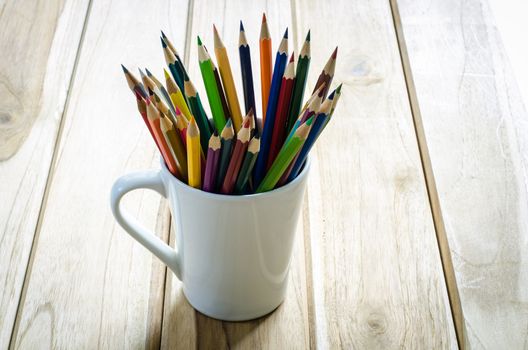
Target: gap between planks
<point x="54" y="159"/>
<point x="432" y="192"/>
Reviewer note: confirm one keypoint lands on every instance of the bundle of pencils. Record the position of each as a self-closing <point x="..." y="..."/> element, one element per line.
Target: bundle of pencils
<point x="235" y="152"/>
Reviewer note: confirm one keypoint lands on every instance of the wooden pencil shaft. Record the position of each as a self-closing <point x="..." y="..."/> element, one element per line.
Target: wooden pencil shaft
<point x="211" y="89"/>
<point x="298" y="90"/>
<point x="224" y="67"/>
<point x="278" y="71"/>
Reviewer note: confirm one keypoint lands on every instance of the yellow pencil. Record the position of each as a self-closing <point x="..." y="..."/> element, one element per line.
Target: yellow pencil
<point x="227" y="80"/>
<point x="193" y="155"/>
<point x="176" y="96"/>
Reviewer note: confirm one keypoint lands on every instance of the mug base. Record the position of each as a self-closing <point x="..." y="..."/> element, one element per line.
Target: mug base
<point x="233" y="317"/>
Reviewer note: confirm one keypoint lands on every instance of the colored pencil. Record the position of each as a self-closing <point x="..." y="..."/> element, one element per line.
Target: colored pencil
<point x="226" y="138"/>
<point x="159" y="85"/>
<point x="221" y="92"/>
<point x="309" y="109"/>
<point x="265" y="64"/>
<point x="193" y="155"/>
<point x="213" y="95"/>
<point x="239" y="150"/>
<point x="247" y="165"/>
<point x="227" y="80"/>
<point x="285" y="157"/>
<point x="317" y="127"/>
<point x="327" y="74"/>
<point x="133" y="83"/>
<point x="142" y="109"/>
<point x="173" y="61"/>
<point x="278" y="71"/>
<point x="247" y="73"/>
<point x="283" y="106"/>
<point x="301" y="74"/>
<point x="175" y="144"/>
<point x="211" y="165"/>
<point x="176" y="96"/>
<point x="199" y="113"/>
<point x="337" y="93"/>
<point x="154" y="119"/>
<point x="181" y="124"/>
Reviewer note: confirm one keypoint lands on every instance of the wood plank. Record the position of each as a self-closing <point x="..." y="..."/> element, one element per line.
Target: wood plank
<point x="90" y="284"/>
<point x="377" y="275"/>
<point x="39" y="43"/>
<point x="288" y="326"/>
<point x="475" y="126"/>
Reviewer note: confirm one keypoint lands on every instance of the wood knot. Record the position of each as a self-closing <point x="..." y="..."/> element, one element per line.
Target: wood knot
<point x="361" y="70"/>
<point x="5" y="118"/>
<point x="377" y="323"/>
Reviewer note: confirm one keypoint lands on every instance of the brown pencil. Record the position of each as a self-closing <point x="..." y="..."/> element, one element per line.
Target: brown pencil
<point x="239" y="151"/>
<point x="327" y="74"/>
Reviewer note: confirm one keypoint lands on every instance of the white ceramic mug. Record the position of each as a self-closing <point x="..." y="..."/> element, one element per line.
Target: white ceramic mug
<point x="233" y="252"/>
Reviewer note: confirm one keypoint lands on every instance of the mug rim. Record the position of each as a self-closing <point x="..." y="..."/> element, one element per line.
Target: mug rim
<point x="231" y="197"/>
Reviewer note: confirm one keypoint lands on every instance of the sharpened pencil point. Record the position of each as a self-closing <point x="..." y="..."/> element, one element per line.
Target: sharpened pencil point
<point x="163" y="43"/>
<point x="163" y="34"/>
<point x="124" y="69"/>
<point x="334" y="54"/>
<point x="308" y="35"/>
<point x="148" y="72"/>
<point x="292" y="57"/>
<point x="285" y="36"/>
<point x="241" y="26"/>
<point x="199" y="40"/>
<point x="264" y="20"/>
<point x="338" y="89"/>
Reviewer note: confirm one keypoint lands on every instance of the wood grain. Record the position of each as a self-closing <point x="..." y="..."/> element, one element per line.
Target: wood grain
<point x="288" y="326"/>
<point x="377" y="278"/>
<point x="476" y="130"/>
<point x="90" y="284"/>
<point x="39" y="41"/>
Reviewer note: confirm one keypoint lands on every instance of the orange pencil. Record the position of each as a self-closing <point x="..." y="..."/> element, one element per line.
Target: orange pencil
<point x="265" y="65"/>
<point x="154" y="119"/>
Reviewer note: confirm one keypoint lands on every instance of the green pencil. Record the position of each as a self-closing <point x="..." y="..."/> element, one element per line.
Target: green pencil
<point x="227" y="140"/>
<point x="247" y="165"/>
<point x="285" y="157"/>
<point x="206" y="67"/>
<point x="199" y="113"/>
<point x="301" y="74"/>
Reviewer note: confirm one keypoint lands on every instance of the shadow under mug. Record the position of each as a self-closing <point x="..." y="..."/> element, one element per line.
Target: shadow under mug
<point x="233" y="252"/>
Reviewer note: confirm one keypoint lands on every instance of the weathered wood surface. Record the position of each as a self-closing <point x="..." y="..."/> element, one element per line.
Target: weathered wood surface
<point x="90" y="285"/>
<point x="38" y="45"/>
<point x="476" y="130"/>
<point x="377" y="278"/>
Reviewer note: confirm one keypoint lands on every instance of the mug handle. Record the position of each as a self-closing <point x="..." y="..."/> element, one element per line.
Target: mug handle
<point x="150" y="179"/>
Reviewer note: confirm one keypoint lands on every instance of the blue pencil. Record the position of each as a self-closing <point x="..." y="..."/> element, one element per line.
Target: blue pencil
<point x="247" y="75"/>
<point x="318" y="125"/>
<point x="278" y="72"/>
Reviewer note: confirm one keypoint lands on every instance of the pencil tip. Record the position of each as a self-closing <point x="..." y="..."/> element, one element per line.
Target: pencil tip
<point x="264" y="20"/>
<point x="241" y="26"/>
<point x="229" y="123"/>
<point x="308" y="35"/>
<point x="214" y="29"/>
<point x="334" y="54"/>
<point x="124" y="69"/>
<point x="199" y="40"/>
<point x="292" y="57"/>
<point x="148" y="72"/>
<point x="338" y="89"/>
<point x="163" y="43"/>
<point x="167" y="76"/>
<point x="286" y="34"/>
<point x="163" y="34"/>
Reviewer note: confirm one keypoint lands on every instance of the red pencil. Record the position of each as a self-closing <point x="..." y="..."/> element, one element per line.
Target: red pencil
<point x="281" y="116"/>
<point x="211" y="166"/>
<point x="237" y="156"/>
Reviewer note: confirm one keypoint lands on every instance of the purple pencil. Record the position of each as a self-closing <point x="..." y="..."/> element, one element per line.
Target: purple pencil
<point x="211" y="165"/>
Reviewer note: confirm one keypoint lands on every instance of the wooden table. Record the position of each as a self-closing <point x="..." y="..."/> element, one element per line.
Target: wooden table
<point x="414" y="231"/>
